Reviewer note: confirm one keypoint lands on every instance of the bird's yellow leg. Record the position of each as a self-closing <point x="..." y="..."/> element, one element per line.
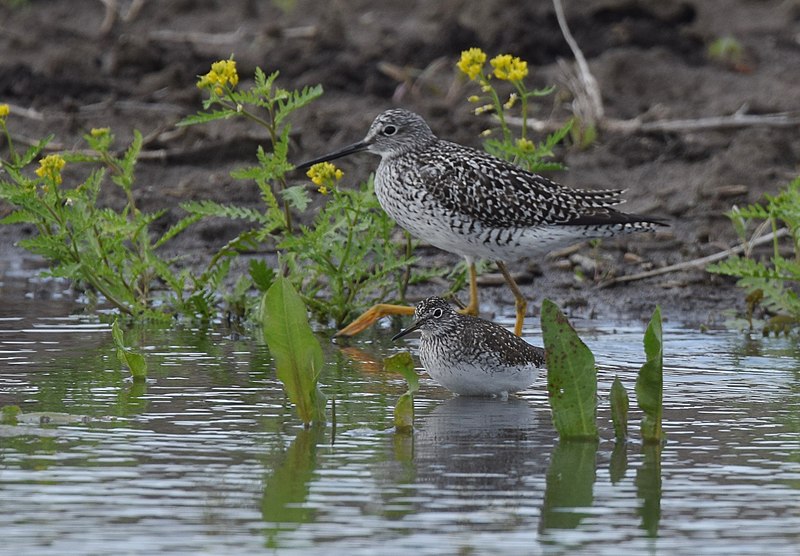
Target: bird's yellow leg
<point x="372" y="315"/>
<point x="520" y="303"/>
<point x="472" y="308"/>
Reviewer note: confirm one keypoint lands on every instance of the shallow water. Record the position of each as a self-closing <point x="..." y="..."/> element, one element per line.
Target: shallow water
<point x="208" y="458"/>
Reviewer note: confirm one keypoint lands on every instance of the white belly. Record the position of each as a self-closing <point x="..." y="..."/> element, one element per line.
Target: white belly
<point x="478" y="378"/>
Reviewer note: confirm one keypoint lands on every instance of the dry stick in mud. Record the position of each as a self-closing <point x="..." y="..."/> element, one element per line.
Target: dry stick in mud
<point x="588" y="103"/>
<point x="701" y="262"/>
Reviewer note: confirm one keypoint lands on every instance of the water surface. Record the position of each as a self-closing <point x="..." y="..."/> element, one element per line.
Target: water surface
<point x="208" y="457"/>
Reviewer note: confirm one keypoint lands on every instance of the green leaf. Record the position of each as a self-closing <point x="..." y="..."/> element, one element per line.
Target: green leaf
<point x="205" y="117"/>
<point x="650" y="383"/>
<point x="297" y="352"/>
<point x="133" y="360"/>
<point x="262" y="275"/>
<point x="297" y="197"/>
<point x="403" y="363"/>
<point x="571" y="376"/>
<point x="619" y="409"/>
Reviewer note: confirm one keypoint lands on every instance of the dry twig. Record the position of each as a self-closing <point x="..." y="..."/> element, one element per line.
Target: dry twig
<point x="588" y="101"/>
<point x="701" y="262"/>
<point x="588" y="104"/>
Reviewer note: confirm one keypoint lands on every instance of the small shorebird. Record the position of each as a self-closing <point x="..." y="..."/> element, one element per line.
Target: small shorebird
<point x="472" y="356"/>
<point x="468" y="202"/>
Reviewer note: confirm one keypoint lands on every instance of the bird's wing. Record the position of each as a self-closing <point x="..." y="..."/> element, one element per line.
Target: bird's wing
<point x="500" y="194"/>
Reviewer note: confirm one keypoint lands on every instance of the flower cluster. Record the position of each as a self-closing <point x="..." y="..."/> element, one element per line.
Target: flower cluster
<point x="324" y="175"/>
<point x="509" y="68"/>
<point x="50" y="168"/>
<point x="4" y="111"/>
<point x="222" y="74"/>
<point x="471" y="62"/>
<point x="505" y="66"/>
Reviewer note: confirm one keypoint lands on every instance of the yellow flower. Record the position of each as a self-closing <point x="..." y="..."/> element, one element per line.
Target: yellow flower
<point x="99" y="131"/>
<point x="471" y="62"/>
<point x="50" y="168"/>
<point x="222" y="73"/>
<point x="324" y="175"/>
<point x="4" y="111"/>
<point x="509" y="68"/>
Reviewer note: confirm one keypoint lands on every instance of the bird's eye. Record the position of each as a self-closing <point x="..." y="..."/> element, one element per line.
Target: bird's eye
<point x="389" y="130"/>
<point x="437" y="313"/>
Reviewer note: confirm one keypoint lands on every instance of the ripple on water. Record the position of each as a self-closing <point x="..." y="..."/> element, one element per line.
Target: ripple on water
<point x="208" y="456"/>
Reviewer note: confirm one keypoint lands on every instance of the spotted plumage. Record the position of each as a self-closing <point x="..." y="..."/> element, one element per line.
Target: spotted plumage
<point x="468" y="202"/>
<point x="472" y="356"/>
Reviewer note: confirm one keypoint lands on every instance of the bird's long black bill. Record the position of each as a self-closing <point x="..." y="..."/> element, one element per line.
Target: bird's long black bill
<point x="350" y="149"/>
<point x="408" y="330"/>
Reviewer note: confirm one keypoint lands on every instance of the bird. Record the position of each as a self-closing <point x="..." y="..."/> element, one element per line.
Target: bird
<point x="472" y="356"/>
<point x="466" y="201"/>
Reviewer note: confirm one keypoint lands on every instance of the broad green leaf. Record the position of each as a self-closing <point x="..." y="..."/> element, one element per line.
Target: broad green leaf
<point x="135" y="362"/>
<point x="403" y="363"/>
<point x="650" y="383"/>
<point x="127" y="356"/>
<point x="297" y="352"/>
<point x="619" y="409"/>
<point x="571" y="376"/>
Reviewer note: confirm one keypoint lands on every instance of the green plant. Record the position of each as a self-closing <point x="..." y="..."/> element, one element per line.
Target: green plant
<point x="619" y="409"/>
<point x="403" y="363"/>
<point x="728" y="51"/>
<point x="572" y="382"/>
<point x="650" y="382"/>
<point x="343" y="260"/>
<point x="295" y="349"/>
<point x="111" y="253"/>
<point x="571" y="376"/>
<point x="134" y="360"/>
<point x="771" y="283"/>
<point x="513" y="71"/>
